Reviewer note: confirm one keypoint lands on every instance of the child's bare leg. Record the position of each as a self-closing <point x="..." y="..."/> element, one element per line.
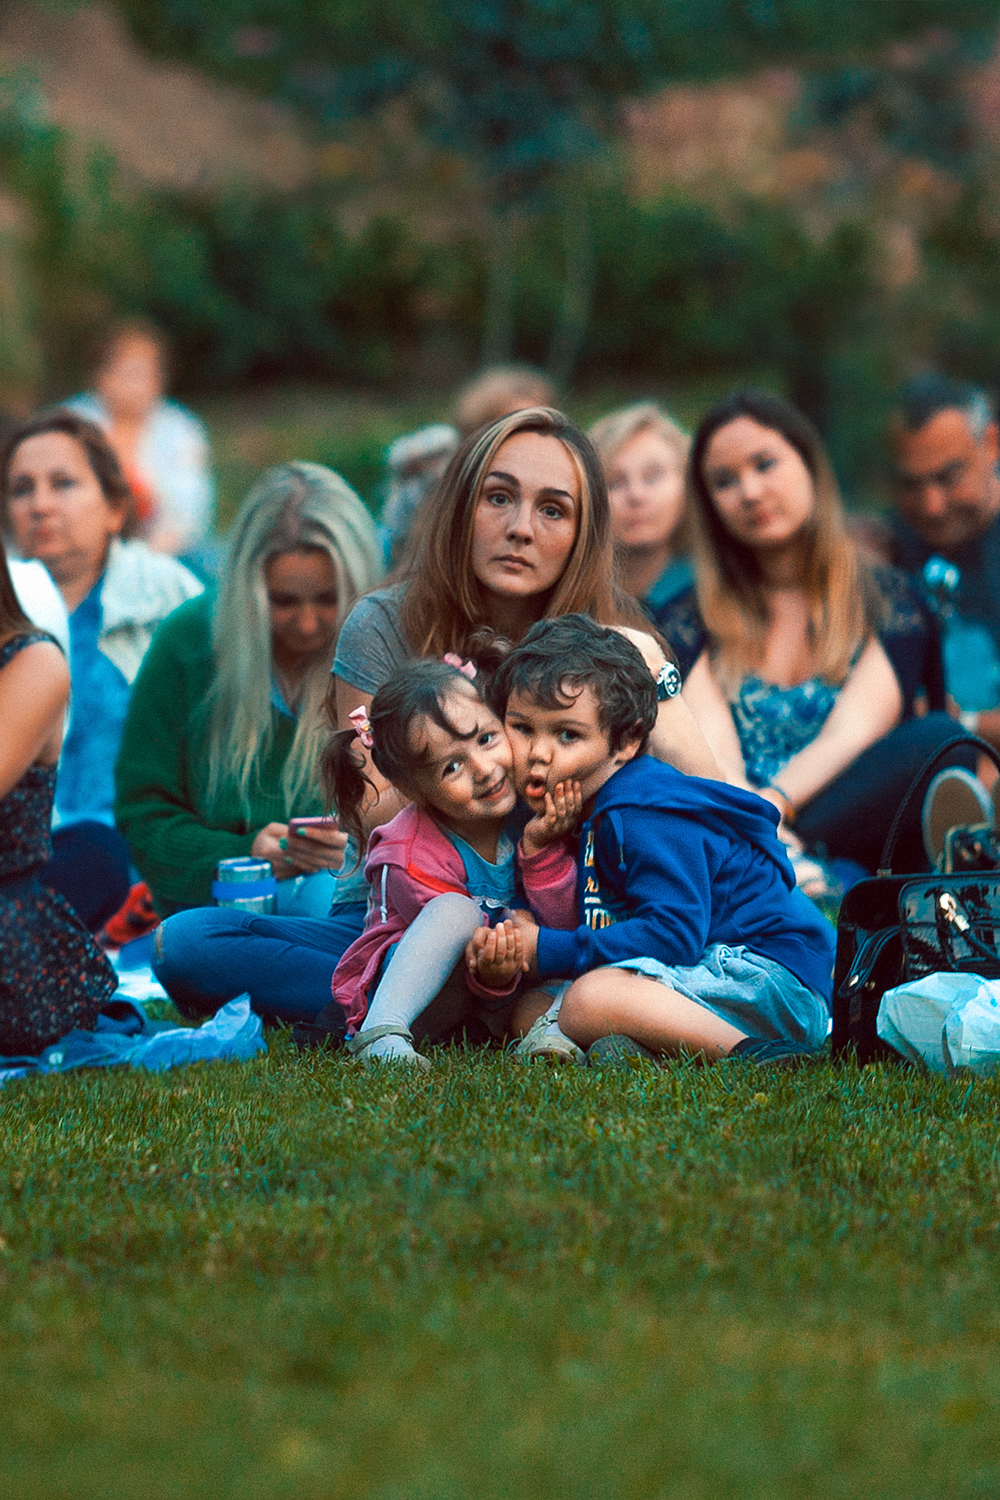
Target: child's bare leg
<point x="527" y="1008"/>
<point x="630" y="1004"/>
<point x="424" y="958"/>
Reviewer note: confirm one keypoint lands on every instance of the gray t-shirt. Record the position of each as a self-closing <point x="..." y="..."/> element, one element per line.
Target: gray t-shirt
<point x="370" y="647"/>
<point x="371" y="644"/>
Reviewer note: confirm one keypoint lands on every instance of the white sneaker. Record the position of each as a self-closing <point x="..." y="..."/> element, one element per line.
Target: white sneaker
<point x="546" y="1041"/>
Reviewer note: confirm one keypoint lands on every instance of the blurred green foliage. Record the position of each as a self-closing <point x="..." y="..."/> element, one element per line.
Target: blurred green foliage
<point x="304" y="48"/>
<point x="347" y="430"/>
<point x="248" y="287"/>
<point x="527" y="91"/>
<point x="265" y="289"/>
<point x="271" y="289"/>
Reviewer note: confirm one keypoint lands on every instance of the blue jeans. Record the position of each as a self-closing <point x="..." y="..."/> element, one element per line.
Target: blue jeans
<point x="90" y="867"/>
<point x="852" y="816"/>
<point x="210" y="954"/>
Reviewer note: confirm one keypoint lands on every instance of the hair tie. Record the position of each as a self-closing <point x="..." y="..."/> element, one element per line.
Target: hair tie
<point x="467" y="668"/>
<point x="362" y="726"/>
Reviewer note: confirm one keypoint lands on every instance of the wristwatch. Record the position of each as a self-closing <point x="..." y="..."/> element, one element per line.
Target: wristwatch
<point x="668" y="682"/>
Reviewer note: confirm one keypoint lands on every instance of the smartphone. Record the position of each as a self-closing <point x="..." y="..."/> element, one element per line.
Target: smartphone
<point x="326" y="825"/>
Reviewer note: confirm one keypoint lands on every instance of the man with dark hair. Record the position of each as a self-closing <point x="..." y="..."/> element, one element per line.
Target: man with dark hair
<point x="946" y="531"/>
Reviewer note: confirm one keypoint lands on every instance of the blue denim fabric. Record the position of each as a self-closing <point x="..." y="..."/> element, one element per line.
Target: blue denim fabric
<point x="758" y="996"/>
<point x="210" y="954"/>
<point x="90" y="867"/>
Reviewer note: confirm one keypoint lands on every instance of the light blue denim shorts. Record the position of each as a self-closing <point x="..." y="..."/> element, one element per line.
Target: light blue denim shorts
<point x="757" y="995"/>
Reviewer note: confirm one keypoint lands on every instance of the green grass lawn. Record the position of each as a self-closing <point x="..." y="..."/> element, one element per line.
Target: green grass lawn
<point x="297" y="1277"/>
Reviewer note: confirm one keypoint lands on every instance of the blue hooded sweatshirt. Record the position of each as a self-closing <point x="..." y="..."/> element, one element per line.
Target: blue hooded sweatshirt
<point x="670" y="864"/>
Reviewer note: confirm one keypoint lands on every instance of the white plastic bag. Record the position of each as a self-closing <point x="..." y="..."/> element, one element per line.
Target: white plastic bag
<point x="946" y="1021"/>
<point x="972" y="1031"/>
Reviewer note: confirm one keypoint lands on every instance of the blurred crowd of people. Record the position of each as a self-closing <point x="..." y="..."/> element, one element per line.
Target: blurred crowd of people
<point x="169" y="695"/>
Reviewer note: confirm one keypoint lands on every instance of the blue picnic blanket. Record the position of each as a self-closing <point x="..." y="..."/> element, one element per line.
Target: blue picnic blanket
<point x="124" y="1037"/>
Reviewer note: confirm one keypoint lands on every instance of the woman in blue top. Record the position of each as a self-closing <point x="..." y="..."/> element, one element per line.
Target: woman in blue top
<point x="805" y="671"/>
<point x="65" y="502"/>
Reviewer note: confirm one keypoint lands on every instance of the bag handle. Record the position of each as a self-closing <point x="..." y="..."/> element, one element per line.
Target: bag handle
<point x="885" y="863"/>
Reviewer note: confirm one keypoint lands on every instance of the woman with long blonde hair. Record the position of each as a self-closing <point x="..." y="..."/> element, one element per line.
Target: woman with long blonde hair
<point x="222" y="752"/>
<point x="224" y="730"/>
<point x="806" y="670"/>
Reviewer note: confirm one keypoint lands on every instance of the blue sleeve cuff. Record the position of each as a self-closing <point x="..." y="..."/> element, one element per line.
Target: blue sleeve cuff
<point x="556" y="952"/>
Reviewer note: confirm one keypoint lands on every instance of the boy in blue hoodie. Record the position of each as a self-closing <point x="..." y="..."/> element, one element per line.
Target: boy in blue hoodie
<point x="692" y="933"/>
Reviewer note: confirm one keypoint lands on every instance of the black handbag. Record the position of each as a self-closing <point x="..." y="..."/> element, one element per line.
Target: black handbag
<point x="895" y="928"/>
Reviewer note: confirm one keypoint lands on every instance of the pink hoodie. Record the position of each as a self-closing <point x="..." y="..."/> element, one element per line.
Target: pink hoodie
<point x="409" y="862"/>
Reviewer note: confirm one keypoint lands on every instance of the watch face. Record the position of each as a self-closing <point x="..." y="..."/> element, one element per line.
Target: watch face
<point x="668" y="683"/>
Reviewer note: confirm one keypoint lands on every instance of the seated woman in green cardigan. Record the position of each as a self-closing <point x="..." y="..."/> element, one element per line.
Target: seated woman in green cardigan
<point x="225" y="723"/>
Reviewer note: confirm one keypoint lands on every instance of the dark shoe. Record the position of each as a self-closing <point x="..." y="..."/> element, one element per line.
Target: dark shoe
<point x="327" y="1029"/>
<point x="975" y="846"/>
<point x="754" y="1049"/>
<point x="619" y="1052"/>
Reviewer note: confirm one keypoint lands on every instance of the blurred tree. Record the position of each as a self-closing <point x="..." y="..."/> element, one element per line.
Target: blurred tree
<point x="249" y="286"/>
<point x="526" y="89"/>
<point x="917" y="107"/>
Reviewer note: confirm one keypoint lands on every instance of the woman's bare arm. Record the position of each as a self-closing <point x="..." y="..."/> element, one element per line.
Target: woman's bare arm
<point x="34" y="689"/>
<point x="705" y="700"/>
<point x="870" y="704"/>
<point x="385" y="802"/>
<point x="868" y="707"/>
<point x="709" y="705"/>
<point x="677" y="737"/>
<point x="679" y="740"/>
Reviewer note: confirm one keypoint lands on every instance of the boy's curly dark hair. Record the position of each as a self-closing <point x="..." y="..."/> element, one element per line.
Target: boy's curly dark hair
<point x="560" y="656"/>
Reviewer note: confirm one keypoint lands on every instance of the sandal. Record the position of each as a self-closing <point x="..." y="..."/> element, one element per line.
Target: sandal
<point x="358" y="1045"/>
<point x="546" y="1041"/>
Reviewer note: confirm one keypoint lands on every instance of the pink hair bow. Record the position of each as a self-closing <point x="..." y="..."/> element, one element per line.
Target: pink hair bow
<point x="362" y="726"/>
<point x="467" y="668"/>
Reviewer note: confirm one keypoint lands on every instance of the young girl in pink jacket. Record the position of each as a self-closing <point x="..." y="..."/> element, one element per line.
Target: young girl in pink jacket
<point x="444" y="869"/>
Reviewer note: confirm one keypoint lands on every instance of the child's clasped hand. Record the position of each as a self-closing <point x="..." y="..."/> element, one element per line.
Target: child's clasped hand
<point x="495" y="955"/>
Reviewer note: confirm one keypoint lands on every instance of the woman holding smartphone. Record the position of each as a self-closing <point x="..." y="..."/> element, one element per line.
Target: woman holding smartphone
<point x="224" y="731"/>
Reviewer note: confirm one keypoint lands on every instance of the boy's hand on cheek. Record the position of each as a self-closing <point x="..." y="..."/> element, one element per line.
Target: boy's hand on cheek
<point x="527" y="929"/>
<point x="559" y="815"/>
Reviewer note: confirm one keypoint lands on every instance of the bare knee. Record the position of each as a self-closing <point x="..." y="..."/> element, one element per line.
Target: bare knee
<point x="582" y="1013"/>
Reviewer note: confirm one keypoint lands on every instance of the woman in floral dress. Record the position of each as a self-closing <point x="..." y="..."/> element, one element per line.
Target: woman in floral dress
<point x="52" y="976"/>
